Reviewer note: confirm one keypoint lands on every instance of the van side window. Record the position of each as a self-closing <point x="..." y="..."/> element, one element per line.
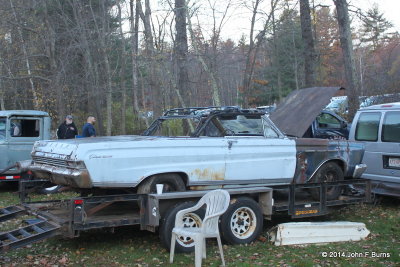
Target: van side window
<point x="391" y="127"/>
<point x="367" y="126"/>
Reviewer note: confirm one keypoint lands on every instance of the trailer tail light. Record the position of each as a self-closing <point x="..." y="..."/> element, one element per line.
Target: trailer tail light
<point x="78" y="201"/>
<point x="10" y="177"/>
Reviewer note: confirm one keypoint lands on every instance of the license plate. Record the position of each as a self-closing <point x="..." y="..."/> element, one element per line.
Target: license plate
<point x="394" y="162"/>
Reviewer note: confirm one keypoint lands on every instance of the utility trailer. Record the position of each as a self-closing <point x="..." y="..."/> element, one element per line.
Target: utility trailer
<point x="242" y="223"/>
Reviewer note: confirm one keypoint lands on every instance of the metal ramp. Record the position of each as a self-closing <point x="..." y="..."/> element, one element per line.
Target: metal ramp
<point x="35" y="230"/>
<point x="10" y="212"/>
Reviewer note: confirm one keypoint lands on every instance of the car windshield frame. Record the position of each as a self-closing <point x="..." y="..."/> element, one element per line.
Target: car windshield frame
<point x="200" y="123"/>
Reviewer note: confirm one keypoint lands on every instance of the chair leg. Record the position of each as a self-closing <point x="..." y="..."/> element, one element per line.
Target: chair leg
<point x="198" y="245"/>
<point x="220" y="250"/>
<point x="204" y="248"/>
<point x="172" y="249"/>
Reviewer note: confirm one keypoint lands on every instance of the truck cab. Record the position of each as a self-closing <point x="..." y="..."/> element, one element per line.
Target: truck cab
<point x="19" y="130"/>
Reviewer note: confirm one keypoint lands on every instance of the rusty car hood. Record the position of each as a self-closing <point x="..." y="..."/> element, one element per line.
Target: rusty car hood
<point x="299" y="109"/>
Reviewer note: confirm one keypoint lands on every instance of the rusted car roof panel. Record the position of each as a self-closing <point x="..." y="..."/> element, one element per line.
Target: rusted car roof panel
<point x="300" y="108"/>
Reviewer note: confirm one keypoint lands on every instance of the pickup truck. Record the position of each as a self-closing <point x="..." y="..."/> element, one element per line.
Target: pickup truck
<point x="197" y="149"/>
<point x="19" y="130"/>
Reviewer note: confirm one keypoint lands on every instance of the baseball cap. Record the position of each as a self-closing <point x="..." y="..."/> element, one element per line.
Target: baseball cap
<point x="69" y="117"/>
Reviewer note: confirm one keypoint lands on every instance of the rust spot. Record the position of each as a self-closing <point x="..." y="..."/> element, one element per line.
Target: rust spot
<point x="208" y="174"/>
<point x="233" y="201"/>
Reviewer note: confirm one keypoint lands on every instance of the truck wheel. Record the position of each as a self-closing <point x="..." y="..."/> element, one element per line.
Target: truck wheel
<point x="329" y="172"/>
<point x="242" y="222"/>
<point x="192" y="219"/>
<point x="171" y="182"/>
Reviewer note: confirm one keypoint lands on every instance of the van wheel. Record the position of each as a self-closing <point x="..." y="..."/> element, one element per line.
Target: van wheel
<point x="171" y="182"/>
<point x="329" y="172"/>
<point x="242" y="222"/>
<point x="192" y="219"/>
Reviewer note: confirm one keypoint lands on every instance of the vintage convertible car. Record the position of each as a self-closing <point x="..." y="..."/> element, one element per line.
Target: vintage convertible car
<point x="197" y="148"/>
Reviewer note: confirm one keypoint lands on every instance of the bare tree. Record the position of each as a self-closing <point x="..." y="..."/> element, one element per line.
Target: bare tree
<point x="26" y="56"/>
<point x="181" y="52"/>
<point x="308" y="40"/>
<point x="122" y="71"/>
<point x="214" y="85"/>
<point x="255" y="44"/>
<point x="348" y="55"/>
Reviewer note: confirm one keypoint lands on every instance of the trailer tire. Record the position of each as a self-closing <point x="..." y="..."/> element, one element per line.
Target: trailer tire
<point x="49" y="189"/>
<point x="329" y="172"/>
<point x="194" y="219"/>
<point x="242" y="223"/>
<point x="172" y="183"/>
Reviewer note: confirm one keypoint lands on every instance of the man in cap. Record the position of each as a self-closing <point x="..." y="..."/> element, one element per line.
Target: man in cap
<point x="67" y="129"/>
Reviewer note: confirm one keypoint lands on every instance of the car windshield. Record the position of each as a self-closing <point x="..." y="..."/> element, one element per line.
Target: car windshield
<point x="2" y="128"/>
<point x="174" y="127"/>
<point x="218" y="126"/>
<point x="240" y="124"/>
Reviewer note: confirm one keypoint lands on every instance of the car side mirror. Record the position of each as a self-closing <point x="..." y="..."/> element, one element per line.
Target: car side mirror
<point x="343" y="124"/>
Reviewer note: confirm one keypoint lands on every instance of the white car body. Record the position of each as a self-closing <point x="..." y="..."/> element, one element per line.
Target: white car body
<point x="125" y="161"/>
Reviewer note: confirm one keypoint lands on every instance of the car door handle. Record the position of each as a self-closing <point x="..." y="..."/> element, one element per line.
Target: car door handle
<point x="231" y="142"/>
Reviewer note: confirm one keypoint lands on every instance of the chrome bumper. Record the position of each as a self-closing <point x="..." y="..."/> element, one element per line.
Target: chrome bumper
<point x="359" y="170"/>
<point x="64" y="176"/>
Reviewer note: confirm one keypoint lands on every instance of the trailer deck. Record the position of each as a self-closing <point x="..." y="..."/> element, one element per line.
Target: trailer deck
<point x="71" y="216"/>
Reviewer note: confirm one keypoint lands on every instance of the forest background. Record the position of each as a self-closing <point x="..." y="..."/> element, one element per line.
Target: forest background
<point x="127" y="61"/>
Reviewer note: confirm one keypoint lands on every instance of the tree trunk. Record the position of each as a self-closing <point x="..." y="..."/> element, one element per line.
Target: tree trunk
<point x="2" y="107"/>
<point x="348" y="55"/>
<point x="308" y="40"/>
<point x="181" y="52"/>
<point x="27" y="62"/>
<point x="103" y="48"/>
<point x="134" y="23"/>
<point x="122" y="72"/>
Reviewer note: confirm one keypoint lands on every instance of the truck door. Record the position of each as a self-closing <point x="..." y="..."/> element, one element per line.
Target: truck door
<point x="22" y="133"/>
<point x="257" y="154"/>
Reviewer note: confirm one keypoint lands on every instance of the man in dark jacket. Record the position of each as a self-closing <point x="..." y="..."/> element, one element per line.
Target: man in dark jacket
<point x="88" y="128"/>
<point x="67" y="129"/>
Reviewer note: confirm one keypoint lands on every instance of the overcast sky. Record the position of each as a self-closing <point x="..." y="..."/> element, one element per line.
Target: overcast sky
<point x="237" y="20"/>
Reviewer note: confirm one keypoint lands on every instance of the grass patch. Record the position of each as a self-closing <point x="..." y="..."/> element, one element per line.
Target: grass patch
<point x="128" y="246"/>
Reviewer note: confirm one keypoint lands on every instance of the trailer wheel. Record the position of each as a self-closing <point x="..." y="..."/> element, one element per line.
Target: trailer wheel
<point x="329" y="172"/>
<point x="242" y="223"/>
<point x="172" y="183"/>
<point x="49" y="189"/>
<point x="193" y="219"/>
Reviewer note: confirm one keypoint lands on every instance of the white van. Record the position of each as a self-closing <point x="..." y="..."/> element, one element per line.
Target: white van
<point x="379" y="127"/>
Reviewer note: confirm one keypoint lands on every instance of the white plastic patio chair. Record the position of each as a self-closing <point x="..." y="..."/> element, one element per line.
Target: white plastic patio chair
<point x="217" y="202"/>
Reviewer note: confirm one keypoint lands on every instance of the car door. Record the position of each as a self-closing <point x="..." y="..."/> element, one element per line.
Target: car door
<point x="330" y="126"/>
<point x="265" y="158"/>
<point x="22" y="133"/>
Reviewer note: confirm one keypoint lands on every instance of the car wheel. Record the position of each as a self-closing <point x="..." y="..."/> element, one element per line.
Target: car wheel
<point x="192" y="219"/>
<point x="171" y="182"/>
<point x="329" y="172"/>
<point x="242" y="222"/>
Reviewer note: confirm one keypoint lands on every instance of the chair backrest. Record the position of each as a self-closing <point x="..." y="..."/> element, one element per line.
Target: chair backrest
<point x="217" y="202"/>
